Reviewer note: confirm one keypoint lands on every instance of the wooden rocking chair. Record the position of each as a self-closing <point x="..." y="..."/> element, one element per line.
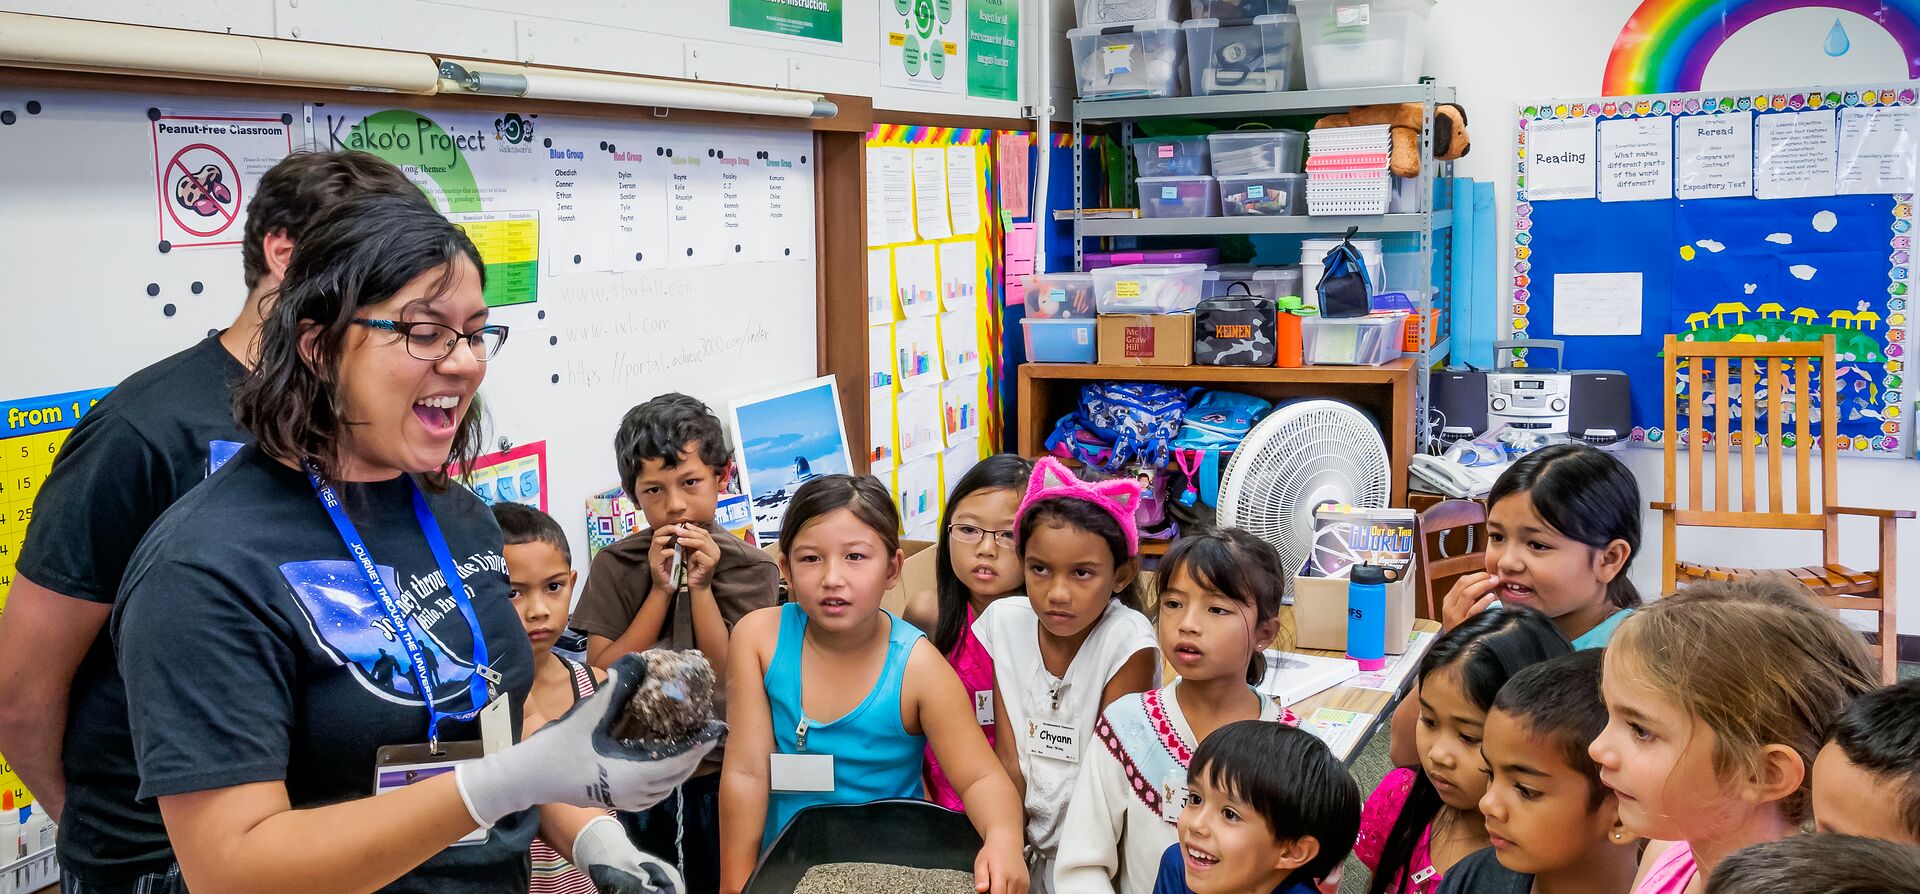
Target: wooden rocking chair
<point x="1792" y="373"/>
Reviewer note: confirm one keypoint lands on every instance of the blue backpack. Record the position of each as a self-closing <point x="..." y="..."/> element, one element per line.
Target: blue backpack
<point x="1140" y="420"/>
<point x="1214" y="425"/>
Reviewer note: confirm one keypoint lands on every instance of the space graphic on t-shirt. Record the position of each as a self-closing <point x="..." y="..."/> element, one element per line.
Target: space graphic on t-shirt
<point x="218" y="452"/>
<point x="351" y="624"/>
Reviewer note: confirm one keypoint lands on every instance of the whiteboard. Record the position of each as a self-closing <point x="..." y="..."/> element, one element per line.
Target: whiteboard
<point x="82" y="214"/>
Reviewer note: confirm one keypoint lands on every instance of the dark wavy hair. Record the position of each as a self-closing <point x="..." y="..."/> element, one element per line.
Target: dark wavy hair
<point x="1236" y="565"/>
<point x="1482" y="654"/>
<point x="1585" y="493"/>
<point x="294" y="192"/>
<point x="1001" y="471"/>
<point x="358" y="253"/>
<point x="1074" y="512"/>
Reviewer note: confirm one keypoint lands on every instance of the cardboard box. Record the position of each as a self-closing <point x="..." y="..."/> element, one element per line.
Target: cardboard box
<point x="1146" y="339"/>
<point x="1320" y="613"/>
<point x="916" y="574"/>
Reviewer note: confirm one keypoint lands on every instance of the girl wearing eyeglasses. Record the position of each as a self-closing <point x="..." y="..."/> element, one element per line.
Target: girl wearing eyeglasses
<point x="326" y="676"/>
<point x="977" y="563"/>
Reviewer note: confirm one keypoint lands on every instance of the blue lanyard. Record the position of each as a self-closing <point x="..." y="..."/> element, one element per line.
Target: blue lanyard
<point x="450" y="574"/>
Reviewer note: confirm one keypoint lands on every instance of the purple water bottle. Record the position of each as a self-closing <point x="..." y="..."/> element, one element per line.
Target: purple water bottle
<point x="1367" y="616"/>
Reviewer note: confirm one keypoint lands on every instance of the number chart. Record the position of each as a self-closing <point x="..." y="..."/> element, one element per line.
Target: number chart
<point x="35" y="427"/>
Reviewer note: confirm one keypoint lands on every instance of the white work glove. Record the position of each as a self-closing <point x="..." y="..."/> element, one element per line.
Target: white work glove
<point x="604" y="852"/>
<point x="575" y="760"/>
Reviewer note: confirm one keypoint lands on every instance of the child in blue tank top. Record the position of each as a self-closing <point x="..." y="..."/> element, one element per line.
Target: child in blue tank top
<point x="831" y="700"/>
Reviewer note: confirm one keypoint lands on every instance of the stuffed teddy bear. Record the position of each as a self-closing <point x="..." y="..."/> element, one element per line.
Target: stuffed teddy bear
<point x="1450" y="139"/>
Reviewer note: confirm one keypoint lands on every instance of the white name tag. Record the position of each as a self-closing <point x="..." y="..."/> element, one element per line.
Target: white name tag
<point x="1173" y="795"/>
<point x="496" y="727"/>
<point x="1053" y="740"/>
<point x="983" y="707"/>
<point x="802" y="772"/>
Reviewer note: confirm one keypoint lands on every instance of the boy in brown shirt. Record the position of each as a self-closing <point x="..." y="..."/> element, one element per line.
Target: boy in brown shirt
<point x="673" y="459"/>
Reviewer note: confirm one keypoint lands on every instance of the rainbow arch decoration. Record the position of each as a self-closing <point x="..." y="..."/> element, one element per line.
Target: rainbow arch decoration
<point x="1666" y="44"/>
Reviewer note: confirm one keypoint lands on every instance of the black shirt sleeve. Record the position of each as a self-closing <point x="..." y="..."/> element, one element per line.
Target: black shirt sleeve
<point x="209" y="677"/>
<point x="105" y="490"/>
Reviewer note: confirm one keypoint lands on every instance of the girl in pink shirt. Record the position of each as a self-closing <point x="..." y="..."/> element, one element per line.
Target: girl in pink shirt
<point x="1718" y="698"/>
<point x="976" y="564"/>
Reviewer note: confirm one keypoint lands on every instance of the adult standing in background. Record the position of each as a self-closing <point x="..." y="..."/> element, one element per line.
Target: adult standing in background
<point x="252" y="613"/>
<point x="63" y="723"/>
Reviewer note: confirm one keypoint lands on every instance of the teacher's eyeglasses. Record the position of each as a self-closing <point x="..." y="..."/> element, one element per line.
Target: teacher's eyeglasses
<point x="432" y="342"/>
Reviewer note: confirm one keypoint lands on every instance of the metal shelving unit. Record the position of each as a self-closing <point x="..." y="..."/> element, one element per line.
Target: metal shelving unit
<point x="1431" y="223"/>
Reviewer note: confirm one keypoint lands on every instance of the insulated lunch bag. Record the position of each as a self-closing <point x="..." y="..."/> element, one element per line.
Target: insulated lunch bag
<point x="1235" y="330"/>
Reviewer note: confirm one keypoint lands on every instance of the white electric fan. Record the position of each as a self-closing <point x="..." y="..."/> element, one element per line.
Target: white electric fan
<point x="1305" y="454"/>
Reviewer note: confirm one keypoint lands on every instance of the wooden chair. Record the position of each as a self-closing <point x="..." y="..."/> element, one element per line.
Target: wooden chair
<point x="1431" y="546"/>
<point x="1800" y="380"/>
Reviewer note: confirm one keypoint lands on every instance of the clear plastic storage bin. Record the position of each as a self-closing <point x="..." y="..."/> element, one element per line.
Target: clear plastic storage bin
<point x="1129" y="61"/>
<point x="1373" y="44"/>
<point x="1235" y="9"/>
<point x="1237" y="153"/>
<point x="1263" y="195"/>
<point x="1101" y="13"/>
<point x="1059" y="295"/>
<point x="1061" y="341"/>
<point x="1205" y="257"/>
<point x="1179" y="197"/>
<point x="1271" y="283"/>
<point x="1148" y="288"/>
<point x="1171" y="156"/>
<point x="1352" y="341"/>
<point x="1261" y="56"/>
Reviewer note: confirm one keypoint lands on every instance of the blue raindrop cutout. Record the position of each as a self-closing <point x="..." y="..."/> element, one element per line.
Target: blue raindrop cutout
<point x="1837" y="41"/>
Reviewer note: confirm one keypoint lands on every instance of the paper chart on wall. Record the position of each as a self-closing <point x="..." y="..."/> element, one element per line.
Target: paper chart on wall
<point x="916" y="281"/>
<point x="960" y="342"/>
<point x="960" y="408"/>
<point x="695" y="229"/>
<point x="916" y="349"/>
<point x="880" y="445"/>
<point x="1597" y="303"/>
<point x="205" y="169"/>
<point x="959" y="275"/>
<point x="917" y="484"/>
<point x="956" y="461"/>
<point x="895" y="172"/>
<point x="640" y="201"/>
<point x="880" y="359"/>
<point x="579" y="210"/>
<point x="1560" y="159"/>
<point x="1794" y="155"/>
<point x="876" y="201"/>
<point x="1636" y="160"/>
<point x="917" y="419"/>
<point x="923" y="44"/>
<point x="786" y="175"/>
<point x="930" y="192"/>
<point x="963" y="191"/>
<point x="1878" y="150"/>
<point x="1714" y="156"/>
<point x="879" y="285"/>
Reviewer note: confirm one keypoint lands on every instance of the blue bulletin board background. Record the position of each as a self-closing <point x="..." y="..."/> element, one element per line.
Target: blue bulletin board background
<point x="1724" y="268"/>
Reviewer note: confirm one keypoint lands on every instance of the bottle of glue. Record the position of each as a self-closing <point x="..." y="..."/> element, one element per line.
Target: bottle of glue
<point x="1367" y="616"/>
<point x="9" y="828"/>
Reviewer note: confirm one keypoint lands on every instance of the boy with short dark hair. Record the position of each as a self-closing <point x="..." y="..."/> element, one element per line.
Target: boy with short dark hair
<point x="1555" y="827"/>
<point x="1866" y="781"/>
<point x="673" y="460"/>
<point x="1268" y="809"/>
<point x="1820" y="863"/>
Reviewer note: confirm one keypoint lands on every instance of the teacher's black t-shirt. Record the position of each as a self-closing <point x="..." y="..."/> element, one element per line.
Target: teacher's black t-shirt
<point x="150" y="440"/>
<point x="254" y="651"/>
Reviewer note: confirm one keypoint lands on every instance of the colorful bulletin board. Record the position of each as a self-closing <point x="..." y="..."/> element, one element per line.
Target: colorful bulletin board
<point x="517" y="475"/>
<point x="934" y="232"/>
<point x="1723" y="217"/>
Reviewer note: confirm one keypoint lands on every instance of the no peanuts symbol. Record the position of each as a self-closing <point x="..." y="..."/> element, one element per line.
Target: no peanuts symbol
<point x="205" y="196"/>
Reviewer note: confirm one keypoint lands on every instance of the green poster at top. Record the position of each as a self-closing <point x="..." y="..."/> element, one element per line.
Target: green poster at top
<point x="993" y="49"/>
<point x="818" y="19"/>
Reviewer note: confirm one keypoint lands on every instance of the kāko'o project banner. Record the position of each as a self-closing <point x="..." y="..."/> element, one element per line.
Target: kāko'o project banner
<point x="1748" y="216"/>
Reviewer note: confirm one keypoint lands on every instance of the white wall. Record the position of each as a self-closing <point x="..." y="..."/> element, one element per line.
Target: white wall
<point x="1502" y="54"/>
<point x="666" y="38"/>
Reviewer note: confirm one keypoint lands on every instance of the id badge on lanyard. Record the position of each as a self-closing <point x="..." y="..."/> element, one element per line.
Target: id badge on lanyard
<point x="478" y="683"/>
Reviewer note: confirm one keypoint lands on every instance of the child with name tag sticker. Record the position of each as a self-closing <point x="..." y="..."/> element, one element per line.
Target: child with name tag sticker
<point x="977" y="564"/>
<point x="1076" y="644"/>
<point x="1219" y="608"/>
<point x="831" y="699"/>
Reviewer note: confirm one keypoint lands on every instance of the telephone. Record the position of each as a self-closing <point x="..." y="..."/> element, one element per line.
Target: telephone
<point x="1449" y="478"/>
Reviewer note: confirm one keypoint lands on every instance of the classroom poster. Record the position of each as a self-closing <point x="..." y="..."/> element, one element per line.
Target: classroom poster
<point x="518" y="475"/>
<point x="993" y="49"/>
<point x="921" y="43"/>
<point x="816" y="19"/>
<point x="205" y="167"/>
